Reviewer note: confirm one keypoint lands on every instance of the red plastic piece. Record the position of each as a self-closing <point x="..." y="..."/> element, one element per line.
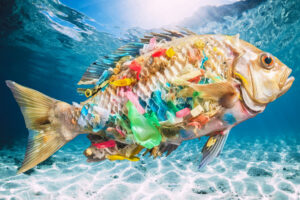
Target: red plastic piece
<point x="158" y="53"/>
<point x="107" y="144"/>
<point x="120" y="132"/>
<point x="195" y="79"/>
<point x="135" y="66"/>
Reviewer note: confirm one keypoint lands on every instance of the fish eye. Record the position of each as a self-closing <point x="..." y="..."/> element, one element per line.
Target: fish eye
<point x="267" y="60"/>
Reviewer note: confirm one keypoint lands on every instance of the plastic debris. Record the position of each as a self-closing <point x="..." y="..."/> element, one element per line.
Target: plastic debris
<point x="120" y="132"/>
<point x="202" y="119"/>
<point x="135" y="100"/>
<point x="172" y="106"/>
<point x="197" y="110"/>
<point x="162" y="107"/>
<point x="195" y="124"/>
<point x="211" y="141"/>
<point x="105" y="75"/>
<point x="120" y="157"/>
<point x="152" y="43"/>
<point x="170" y="52"/>
<point x="93" y="117"/>
<point x="88" y="93"/>
<point x="171" y="117"/>
<point x="203" y="61"/>
<point x="123" y="124"/>
<point x="152" y="118"/>
<point x="182" y="113"/>
<point x="149" y="47"/>
<point x="158" y="53"/>
<point x="199" y="44"/>
<point x="106" y="144"/>
<point x="144" y="132"/>
<point x="135" y="66"/>
<point x="229" y="118"/>
<point x="123" y="82"/>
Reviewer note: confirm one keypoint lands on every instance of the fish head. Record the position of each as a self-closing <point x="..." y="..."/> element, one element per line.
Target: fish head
<point x="263" y="77"/>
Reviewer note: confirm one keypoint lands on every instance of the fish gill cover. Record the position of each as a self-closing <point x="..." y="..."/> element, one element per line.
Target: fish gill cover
<point x="47" y="46"/>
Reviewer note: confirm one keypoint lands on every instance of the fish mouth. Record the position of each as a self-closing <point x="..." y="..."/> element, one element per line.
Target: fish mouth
<point x="286" y="86"/>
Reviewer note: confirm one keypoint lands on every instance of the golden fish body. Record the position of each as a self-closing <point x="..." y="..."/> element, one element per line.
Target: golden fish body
<point x="178" y="87"/>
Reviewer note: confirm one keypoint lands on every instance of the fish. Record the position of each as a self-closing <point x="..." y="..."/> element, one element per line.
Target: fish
<point x="148" y="97"/>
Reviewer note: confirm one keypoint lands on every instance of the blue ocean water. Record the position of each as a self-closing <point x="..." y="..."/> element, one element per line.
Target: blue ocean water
<point x="47" y="45"/>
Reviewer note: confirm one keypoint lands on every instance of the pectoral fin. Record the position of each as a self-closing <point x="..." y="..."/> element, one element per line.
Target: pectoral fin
<point x="213" y="148"/>
<point x="224" y="92"/>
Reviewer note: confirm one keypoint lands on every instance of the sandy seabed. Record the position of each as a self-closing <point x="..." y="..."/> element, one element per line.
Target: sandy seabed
<point x="258" y="168"/>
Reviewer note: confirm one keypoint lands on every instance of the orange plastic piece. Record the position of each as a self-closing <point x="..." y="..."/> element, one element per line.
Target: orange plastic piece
<point x="195" y="124"/>
<point x="202" y="119"/>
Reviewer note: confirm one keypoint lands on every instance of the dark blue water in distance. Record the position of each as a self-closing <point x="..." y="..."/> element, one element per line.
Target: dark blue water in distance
<point x="47" y="45"/>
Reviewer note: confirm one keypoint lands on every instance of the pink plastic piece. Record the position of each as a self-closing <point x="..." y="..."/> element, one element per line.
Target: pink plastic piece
<point x="107" y="144"/>
<point x="135" y="66"/>
<point x="120" y="132"/>
<point x="152" y="43"/>
<point x="182" y="113"/>
<point x="135" y="100"/>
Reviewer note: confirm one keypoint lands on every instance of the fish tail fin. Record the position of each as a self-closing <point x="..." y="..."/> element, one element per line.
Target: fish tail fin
<point x="46" y="120"/>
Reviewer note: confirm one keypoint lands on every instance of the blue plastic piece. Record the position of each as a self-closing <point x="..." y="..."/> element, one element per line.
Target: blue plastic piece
<point x="163" y="108"/>
<point x="229" y="118"/>
<point x="105" y="75"/>
<point x="84" y="110"/>
<point x="103" y="89"/>
<point x="203" y="61"/>
<point x="153" y="105"/>
<point x="143" y="103"/>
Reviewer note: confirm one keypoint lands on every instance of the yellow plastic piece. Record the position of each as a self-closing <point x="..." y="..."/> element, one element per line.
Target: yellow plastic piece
<point x="211" y="141"/>
<point x="243" y="79"/>
<point x="122" y="82"/>
<point x="215" y="49"/>
<point x="88" y="93"/>
<point x="199" y="44"/>
<point x="120" y="157"/>
<point x="170" y="52"/>
<point x="116" y="70"/>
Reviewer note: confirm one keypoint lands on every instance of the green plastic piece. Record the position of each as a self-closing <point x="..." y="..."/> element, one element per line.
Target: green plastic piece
<point x="152" y="118"/>
<point x="123" y="124"/>
<point x="144" y="132"/>
<point x="170" y="116"/>
<point x="172" y="106"/>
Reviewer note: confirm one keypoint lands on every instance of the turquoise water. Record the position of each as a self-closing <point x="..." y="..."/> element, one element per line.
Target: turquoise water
<point x="47" y="45"/>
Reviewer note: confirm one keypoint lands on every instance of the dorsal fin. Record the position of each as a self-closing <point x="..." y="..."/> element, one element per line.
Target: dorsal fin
<point x="94" y="71"/>
<point x="167" y="34"/>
